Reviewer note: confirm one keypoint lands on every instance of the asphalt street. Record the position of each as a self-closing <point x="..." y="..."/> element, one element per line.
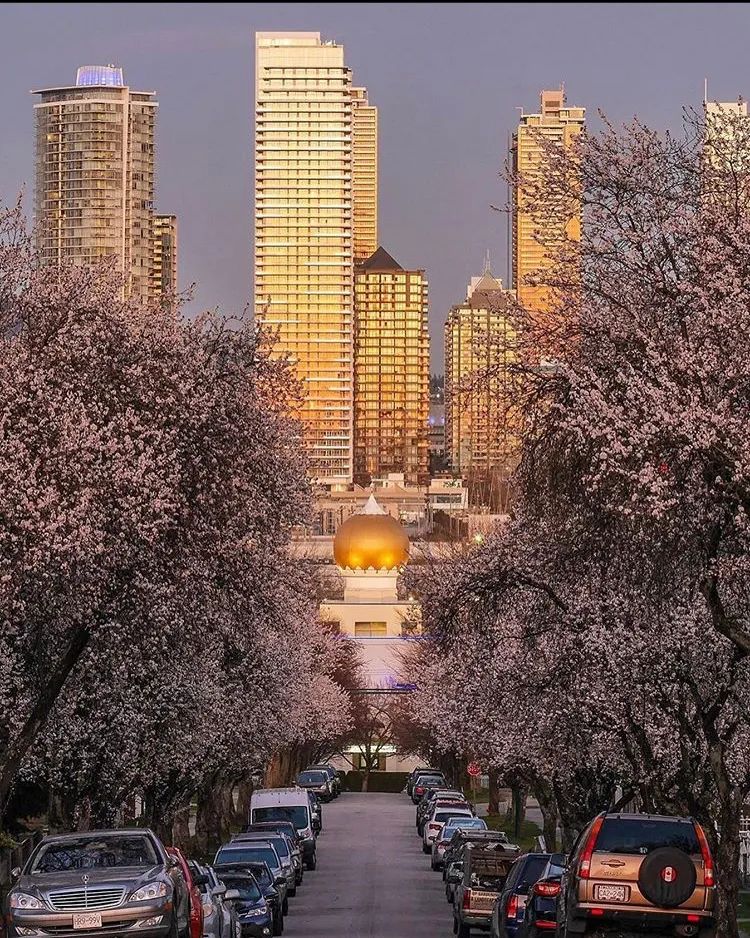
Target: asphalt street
<point x="372" y="879"/>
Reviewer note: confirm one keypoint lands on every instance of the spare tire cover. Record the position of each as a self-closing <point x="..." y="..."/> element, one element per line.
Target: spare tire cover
<point x="667" y="877"/>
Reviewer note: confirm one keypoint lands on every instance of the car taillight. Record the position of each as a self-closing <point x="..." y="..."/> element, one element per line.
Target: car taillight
<point x="419" y="790"/>
<point x="511" y="909"/>
<point x="432" y="826"/>
<point x="584" y="867"/>
<point x="547" y="889"/>
<point x="466" y="904"/>
<point x="709" y="876"/>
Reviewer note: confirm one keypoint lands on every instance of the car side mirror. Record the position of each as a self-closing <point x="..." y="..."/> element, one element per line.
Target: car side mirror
<point x="15" y="873"/>
<point x="279" y="881"/>
<point x="231" y="894"/>
<point x="219" y="890"/>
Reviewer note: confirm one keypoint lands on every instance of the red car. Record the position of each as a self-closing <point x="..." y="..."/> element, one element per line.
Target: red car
<point x="196" y="902"/>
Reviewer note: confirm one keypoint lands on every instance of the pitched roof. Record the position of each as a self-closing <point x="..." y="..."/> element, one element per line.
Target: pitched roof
<point x="380" y="260"/>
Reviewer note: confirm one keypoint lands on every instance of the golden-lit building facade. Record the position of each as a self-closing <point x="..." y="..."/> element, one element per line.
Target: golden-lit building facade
<point x="164" y="268"/>
<point x="479" y="426"/>
<point x="95" y="175"/>
<point x="531" y="247"/>
<point x="304" y="231"/>
<point x="391" y="371"/>
<point x="364" y="175"/>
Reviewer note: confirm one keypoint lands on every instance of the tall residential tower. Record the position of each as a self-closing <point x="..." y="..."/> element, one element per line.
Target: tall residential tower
<point x="391" y="371"/>
<point x="304" y="230"/>
<point x="531" y="247"/>
<point x="364" y="175"/>
<point x="95" y="175"/>
<point x="164" y="263"/>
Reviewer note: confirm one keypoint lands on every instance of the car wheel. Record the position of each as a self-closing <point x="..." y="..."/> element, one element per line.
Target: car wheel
<point x="312" y="862"/>
<point x="426" y="848"/>
<point x="432" y="865"/>
<point x="455" y="925"/>
<point x="174" y="931"/>
<point x="278" y="924"/>
<point x="285" y="907"/>
<point x="464" y="931"/>
<point x="293" y="892"/>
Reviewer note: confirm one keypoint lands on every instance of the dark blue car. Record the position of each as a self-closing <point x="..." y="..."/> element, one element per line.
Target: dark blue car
<point x="541" y="908"/>
<point x="255" y="917"/>
<point x="510" y="907"/>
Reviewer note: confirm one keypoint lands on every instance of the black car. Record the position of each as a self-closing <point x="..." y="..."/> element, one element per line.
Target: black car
<point x="510" y="908"/>
<point x="420" y="770"/>
<point x="332" y="774"/>
<point x="541" y="907"/>
<point x="253" y="912"/>
<point x="423" y="782"/>
<point x="265" y="880"/>
<point x="75" y="885"/>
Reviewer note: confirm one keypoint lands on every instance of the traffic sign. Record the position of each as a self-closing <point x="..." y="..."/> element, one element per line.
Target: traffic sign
<point x="474" y="769"/>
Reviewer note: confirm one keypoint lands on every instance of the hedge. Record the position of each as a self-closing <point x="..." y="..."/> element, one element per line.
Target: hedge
<point x="379" y="781"/>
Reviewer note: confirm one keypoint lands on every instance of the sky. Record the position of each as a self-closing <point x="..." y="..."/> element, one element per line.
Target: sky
<point x="448" y="80"/>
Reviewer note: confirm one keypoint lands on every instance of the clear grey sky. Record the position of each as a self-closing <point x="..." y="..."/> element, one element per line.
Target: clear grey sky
<point x="447" y="79"/>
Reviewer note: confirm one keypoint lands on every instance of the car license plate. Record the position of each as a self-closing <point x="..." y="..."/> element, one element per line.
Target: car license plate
<point x="87" y="920"/>
<point x="612" y="893"/>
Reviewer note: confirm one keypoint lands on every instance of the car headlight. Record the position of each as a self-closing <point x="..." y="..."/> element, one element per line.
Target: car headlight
<point x="22" y="900"/>
<point x="151" y="891"/>
<point x="254" y="912"/>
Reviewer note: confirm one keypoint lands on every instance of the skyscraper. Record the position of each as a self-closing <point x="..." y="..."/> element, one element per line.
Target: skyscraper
<point x="95" y="174"/>
<point x="164" y="264"/>
<point x="304" y="230"/>
<point x="391" y="371"/>
<point x="562" y="124"/>
<point x="364" y="175"/>
<point x="480" y="435"/>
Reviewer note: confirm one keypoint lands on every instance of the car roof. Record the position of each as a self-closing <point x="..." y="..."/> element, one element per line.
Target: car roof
<point x="256" y="836"/>
<point x="81" y="835"/>
<point x="633" y="816"/>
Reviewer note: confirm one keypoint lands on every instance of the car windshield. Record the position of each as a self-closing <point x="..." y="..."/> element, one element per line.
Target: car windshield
<point x="98" y="852"/>
<point x="297" y="814"/>
<point x="469" y="823"/>
<point x="311" y="778"/>
<point x="642" y="835"/>
<point x="245" y="886"/>
<point x="247" y="855"/>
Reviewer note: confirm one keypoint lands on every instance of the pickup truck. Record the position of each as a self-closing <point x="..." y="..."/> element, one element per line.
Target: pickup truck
<point x="477" y="879"/>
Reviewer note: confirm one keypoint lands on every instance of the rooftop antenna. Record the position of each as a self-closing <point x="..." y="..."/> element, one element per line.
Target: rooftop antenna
<point x="487" y="269"/>
<point x="705" y="91"/>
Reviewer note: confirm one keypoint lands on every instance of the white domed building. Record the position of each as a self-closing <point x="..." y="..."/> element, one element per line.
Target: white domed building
<point x="370" y="550"/>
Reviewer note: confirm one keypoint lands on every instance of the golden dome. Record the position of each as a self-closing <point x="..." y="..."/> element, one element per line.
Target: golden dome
<point x="371" y="539"/>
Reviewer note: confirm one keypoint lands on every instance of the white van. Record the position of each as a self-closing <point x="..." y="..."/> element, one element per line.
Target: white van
<point x="286" y="804"/>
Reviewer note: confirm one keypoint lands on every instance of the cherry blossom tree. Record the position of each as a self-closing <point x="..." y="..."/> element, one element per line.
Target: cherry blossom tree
<point x="156" y="635"/>
<point x="606" y="629"/>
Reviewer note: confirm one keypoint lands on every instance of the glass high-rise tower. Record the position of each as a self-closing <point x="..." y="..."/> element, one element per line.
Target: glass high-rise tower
<point x="95" y="175"/>
<point x="304" y="231"/>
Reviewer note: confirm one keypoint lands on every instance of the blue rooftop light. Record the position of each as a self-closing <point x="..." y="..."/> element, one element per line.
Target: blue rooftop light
<point x="108" y="75"/>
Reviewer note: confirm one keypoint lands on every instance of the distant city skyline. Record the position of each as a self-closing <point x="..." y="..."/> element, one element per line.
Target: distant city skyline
<point x="447" y="98"/>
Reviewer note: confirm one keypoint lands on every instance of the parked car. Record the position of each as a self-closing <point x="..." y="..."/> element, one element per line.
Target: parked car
<point x="639" y="871"/>
<point x="443" y="838"/>
<point x="415" y="773"/>
<point x="317" y="810"/>
<point x="464" y="835"/>
<point x="333" y="777"/>
<point x="78" y="884"/>
<point x="283" y="827"/>
<point x="258" y="851"/>
<point x="318" y="781"/>
<point x="510" y="908"/>
<point x="425" y="803"/>
<point x="540" y="917"/>
<point x="196" y="901"/>
<point x="283" y="847"/>
<point x="287" y="804"/>
<point x="439" y="816"/>
<point x="265" y="880"/>
<point x="478" y="879"/>
<point x="425" y="781"/>
<point x="443" y="804"/>
<point x="219" y="916"/>
<point x="253" y="912"/>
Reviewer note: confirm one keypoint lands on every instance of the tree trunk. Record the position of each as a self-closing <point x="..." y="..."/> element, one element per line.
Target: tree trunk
<point x="245" y="793"/>
<point x="519" y="809"/>
<point x="493" y="804"/>
<point x="727" y="860"/>
<point x="11" y="759"/>
<point x="548" y="806"/>
<point x="212" y="822"/>
<point x="181" y="828"/>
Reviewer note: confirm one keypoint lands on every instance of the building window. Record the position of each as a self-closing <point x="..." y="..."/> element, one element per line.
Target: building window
<point x="370" y="630"/>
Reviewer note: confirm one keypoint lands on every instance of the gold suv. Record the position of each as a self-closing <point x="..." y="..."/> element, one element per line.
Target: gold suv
<point x="639" y="872"/>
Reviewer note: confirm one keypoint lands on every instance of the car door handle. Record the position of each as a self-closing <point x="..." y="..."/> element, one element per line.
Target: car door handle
<point x="615" y="863"/>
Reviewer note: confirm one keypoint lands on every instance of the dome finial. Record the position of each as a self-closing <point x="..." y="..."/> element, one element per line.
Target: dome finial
<point x="372" y="507"/>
